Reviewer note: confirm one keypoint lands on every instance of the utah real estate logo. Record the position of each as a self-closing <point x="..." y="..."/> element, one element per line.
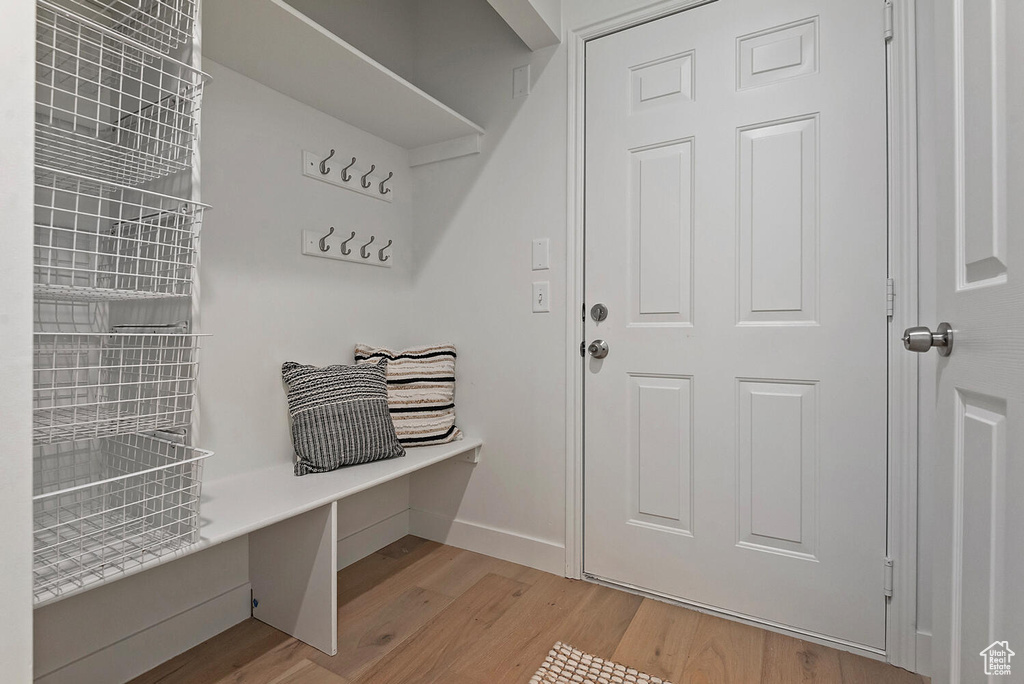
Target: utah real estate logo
<point x="997" y="658"/>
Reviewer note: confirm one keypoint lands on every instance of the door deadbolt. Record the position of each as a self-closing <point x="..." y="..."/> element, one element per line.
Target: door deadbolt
<point x="920" y="339"/>
<point x="599" y="312"/>
<point x="598" y="349"/>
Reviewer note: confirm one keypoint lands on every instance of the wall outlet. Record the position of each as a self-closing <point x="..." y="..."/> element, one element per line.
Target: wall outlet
<point x="541" y="254"/>
<point x="540" y="297"/>
<point x="521" y="81"/>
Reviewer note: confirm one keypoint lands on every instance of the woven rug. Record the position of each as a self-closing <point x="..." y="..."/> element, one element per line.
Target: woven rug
<point x="568" y="665"/>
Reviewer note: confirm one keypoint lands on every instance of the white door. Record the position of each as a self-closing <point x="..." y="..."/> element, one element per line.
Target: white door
<point x="978" y="143"/>
<point x="735" y="439"/>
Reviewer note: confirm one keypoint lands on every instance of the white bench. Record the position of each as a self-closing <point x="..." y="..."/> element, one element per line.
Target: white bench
<point x="292" y="526"/>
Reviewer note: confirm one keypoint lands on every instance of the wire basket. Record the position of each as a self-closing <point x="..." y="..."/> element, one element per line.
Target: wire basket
<point x="165" y="25"/>
<point x="101" y="241"/>
<point x="104" y="507"/>
<point x="90" y="385"/>
<point x="108" y="107"/>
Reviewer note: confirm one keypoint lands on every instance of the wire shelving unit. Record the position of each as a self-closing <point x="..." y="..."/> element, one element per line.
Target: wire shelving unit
<point x="104" y="507"/>
<point x="96" y="240"/>
<point x="117" y="115"/>
<point x="109" y="107"/>
<point x="165" y="25"/>
<point x="97" y="385"/>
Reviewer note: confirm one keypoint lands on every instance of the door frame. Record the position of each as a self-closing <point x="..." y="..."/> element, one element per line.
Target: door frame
<point x="902" y="495"/>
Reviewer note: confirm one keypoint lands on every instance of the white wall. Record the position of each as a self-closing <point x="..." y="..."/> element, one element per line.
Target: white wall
<point x="372" y="519"/>
<point x="262" y="300"/>
<point x="471" y="230"/>
<point x="17" y="73"/>
<point x="475" y="218"/>
<point x="473" y="221"/>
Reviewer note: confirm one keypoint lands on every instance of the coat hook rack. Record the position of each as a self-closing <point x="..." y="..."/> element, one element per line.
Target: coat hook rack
<point x="324" y="247"/>
<point x="384" y="190"/>
<point x="365" y="183"/>
<point x="359" y="177"/>
<point x="324" y="168"/>
<point x="344" y="245"/>
<point x="344" y="172"/>
<point x="316" y="244"/>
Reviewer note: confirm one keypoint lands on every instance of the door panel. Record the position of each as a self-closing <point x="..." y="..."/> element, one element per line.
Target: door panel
<point x="735" y="438"/>
<point x="778" y="217"/>
<point x="661" y="226"/>
<point x="978" y="145"/>
<point x="981" y="429"/>
<point x="777" y="54"/>
<point x="777" y="503"/>
<point x="662" y="433"/>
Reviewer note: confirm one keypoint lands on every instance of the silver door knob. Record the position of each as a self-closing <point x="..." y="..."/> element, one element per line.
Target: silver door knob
<point x="921" y="339"/>
<point x="598" y="349"/>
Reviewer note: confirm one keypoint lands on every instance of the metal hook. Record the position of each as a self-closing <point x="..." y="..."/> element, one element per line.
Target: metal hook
<point x="344" y="245"/>
<point x="324" y="168"/>
<point x="323" y="241"/>
<point x="362" y="250"/>
<point x="344" y="172"/>
<point x="380" y="252"/>
<point x="384" y="191"/>
<point x="365" y="183"/>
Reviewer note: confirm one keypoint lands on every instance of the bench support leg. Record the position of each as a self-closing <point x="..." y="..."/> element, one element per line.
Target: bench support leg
<point x="293" y="570"/>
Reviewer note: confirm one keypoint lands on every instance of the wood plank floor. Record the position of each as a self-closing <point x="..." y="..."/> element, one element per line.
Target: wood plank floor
<point x="417" y="612"/>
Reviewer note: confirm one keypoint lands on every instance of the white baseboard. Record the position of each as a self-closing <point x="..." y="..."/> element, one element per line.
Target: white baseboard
<point x="503" y="544"/>
<point x="140" y="652"/>
<point x="373" y="538"/>
<point x="924" y="654"/>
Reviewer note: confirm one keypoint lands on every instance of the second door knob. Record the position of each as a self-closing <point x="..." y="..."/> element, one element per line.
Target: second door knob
<point x="598" y="349"/>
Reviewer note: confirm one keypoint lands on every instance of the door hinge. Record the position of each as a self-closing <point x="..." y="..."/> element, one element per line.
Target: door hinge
<point x="887" y="21"/>
<point x="888" y="577"/>
<point x="890" y="297"/>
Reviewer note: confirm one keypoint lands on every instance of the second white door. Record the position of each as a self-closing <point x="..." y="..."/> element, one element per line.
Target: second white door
<point x="735" y="446"/>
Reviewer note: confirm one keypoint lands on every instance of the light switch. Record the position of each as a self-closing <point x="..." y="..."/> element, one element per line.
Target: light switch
<point x="541" y="254"/>
<point x="521" y="81"/>
<point x="540" y="297"/>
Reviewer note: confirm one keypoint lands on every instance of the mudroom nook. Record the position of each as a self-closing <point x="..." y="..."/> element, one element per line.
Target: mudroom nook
<point x="478" y="341"/>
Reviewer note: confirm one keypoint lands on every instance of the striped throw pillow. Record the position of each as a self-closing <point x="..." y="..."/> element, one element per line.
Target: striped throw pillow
<point x="339" y="416"/>
<point x="421" y="391"/>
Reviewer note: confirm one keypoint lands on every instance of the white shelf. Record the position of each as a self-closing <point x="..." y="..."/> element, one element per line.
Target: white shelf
<point x="273" y="43"/>
<point x="232" y="507"/>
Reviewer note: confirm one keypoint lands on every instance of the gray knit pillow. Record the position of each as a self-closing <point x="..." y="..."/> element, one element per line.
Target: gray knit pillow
<point x="339" y="416"/>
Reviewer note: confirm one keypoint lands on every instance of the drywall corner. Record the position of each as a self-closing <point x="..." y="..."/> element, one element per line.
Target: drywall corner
<point x="17" y="73"/>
